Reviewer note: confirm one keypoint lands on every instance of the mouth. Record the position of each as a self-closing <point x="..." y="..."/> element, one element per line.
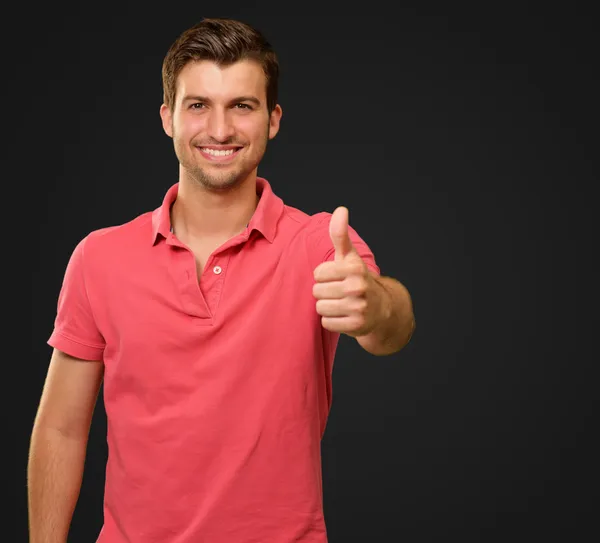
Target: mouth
<point x="223" y="153"/>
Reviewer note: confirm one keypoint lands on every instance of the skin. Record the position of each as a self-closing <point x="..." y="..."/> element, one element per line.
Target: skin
<point x="219" y="108"/>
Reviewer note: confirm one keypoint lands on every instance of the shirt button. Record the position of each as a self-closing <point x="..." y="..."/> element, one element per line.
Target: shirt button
<point x="217" y="270"/>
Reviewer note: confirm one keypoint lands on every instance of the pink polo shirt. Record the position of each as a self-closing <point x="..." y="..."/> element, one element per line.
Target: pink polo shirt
<point x="216" y="392"/>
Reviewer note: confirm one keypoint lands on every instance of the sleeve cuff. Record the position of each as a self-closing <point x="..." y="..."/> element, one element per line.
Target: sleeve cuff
<point x="75" y="348"/>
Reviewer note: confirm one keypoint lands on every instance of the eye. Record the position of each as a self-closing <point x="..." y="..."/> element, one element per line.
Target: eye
<point x="197" y="105"/>
<point x="243" y="106"/>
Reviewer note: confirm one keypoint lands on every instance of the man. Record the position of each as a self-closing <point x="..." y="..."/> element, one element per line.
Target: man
<point x="213" y="322"/>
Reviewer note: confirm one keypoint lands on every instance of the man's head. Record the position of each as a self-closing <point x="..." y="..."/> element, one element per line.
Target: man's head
<point x="220" y="100"/>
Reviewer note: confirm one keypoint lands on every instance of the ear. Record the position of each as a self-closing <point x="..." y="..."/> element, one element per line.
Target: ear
<point x="274" y="121"/>
<point x="167" y="120"/>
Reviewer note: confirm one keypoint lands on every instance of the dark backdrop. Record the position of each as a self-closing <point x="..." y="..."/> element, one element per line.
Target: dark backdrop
<point x="457" y="139"/>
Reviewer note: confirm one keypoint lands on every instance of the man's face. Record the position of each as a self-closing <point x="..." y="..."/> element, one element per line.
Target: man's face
<point x="220" y="124"/>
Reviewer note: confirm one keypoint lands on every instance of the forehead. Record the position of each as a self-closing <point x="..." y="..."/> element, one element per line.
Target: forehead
<point x="207" y="78"/>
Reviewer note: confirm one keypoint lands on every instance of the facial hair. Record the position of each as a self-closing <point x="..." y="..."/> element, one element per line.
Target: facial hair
<point x="215" y="180"/>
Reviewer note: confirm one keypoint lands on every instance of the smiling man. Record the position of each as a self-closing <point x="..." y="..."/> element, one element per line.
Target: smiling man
<point x="213" y="321"/>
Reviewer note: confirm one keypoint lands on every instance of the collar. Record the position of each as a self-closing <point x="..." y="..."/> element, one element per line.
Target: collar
<point x="265" y="217"/>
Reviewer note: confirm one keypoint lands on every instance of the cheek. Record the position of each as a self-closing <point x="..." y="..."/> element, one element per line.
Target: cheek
<point x="188" y="126"/>
<point x="251" y="129"/>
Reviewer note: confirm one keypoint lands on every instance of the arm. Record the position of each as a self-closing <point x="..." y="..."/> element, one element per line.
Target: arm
<point x="354" y="300"/>
<point x="395" y="324"/>
<point x="58" y="445"/>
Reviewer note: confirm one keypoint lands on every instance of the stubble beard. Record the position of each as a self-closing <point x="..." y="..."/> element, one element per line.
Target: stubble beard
<point x="214" y="180"/>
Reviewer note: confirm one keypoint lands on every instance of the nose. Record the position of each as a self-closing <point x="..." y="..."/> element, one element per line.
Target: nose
<point x="219" y="125"/>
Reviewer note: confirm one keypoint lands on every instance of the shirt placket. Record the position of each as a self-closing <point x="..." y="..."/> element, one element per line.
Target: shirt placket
<point x="201" y="299"/>
<point x="212" y="279"/>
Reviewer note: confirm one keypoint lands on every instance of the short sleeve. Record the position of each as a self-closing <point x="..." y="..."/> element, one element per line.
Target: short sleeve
<point x="320" y="247"/>
<point x="75" y="331"/>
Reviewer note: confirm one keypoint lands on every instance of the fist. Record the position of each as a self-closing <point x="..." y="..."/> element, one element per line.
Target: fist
<point x="349" y="299"/>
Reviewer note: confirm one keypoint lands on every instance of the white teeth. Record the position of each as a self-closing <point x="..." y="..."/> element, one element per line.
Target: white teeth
<point x="214" y="152"/>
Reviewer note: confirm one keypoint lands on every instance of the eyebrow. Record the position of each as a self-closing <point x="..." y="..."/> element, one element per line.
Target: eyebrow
<point x="237" y="100"/>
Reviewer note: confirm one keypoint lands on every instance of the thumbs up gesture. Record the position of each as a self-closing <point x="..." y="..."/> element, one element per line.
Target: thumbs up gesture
<point x="349" y="299"/>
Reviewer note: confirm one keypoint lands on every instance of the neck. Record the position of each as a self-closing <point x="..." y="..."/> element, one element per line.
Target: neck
<point x="201" y="214"/>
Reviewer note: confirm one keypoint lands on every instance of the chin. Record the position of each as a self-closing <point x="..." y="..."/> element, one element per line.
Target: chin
<point x="218" y="182"/>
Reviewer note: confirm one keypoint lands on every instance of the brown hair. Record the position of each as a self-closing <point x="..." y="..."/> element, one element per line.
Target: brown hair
<point x="224" y="41"/>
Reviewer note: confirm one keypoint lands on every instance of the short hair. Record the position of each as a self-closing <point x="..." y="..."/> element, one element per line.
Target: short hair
<point x="224" y="41"/>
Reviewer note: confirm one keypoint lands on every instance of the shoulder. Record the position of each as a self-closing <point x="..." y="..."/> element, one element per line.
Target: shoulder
<point x="305" y="222"/>
<point x="115" y="240"/>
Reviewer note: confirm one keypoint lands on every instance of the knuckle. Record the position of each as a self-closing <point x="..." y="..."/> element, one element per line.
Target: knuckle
<point x="358" y="322"/>
<point x="361" y="305"/>
<point x="356" y="268"/>
<point x="356" y="286"/>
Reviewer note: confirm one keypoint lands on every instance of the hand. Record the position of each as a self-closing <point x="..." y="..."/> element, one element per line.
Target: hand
<point x="349" y="299"/>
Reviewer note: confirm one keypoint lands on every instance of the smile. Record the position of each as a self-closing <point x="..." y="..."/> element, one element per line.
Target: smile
<point x="218" y="155"/>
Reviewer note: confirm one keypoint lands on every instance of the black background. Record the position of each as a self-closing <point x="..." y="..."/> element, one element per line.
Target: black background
<point x="462" y="141"/>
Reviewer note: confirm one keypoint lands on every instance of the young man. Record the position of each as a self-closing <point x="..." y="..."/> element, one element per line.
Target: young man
<point x="213" y="322"/>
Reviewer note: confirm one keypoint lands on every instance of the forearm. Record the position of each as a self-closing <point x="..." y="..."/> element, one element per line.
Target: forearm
<point x="396" y="324"/>
<point x="55" y="473"/>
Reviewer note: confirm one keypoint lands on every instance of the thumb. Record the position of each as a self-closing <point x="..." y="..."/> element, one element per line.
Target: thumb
<point x="338" y="232"/>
